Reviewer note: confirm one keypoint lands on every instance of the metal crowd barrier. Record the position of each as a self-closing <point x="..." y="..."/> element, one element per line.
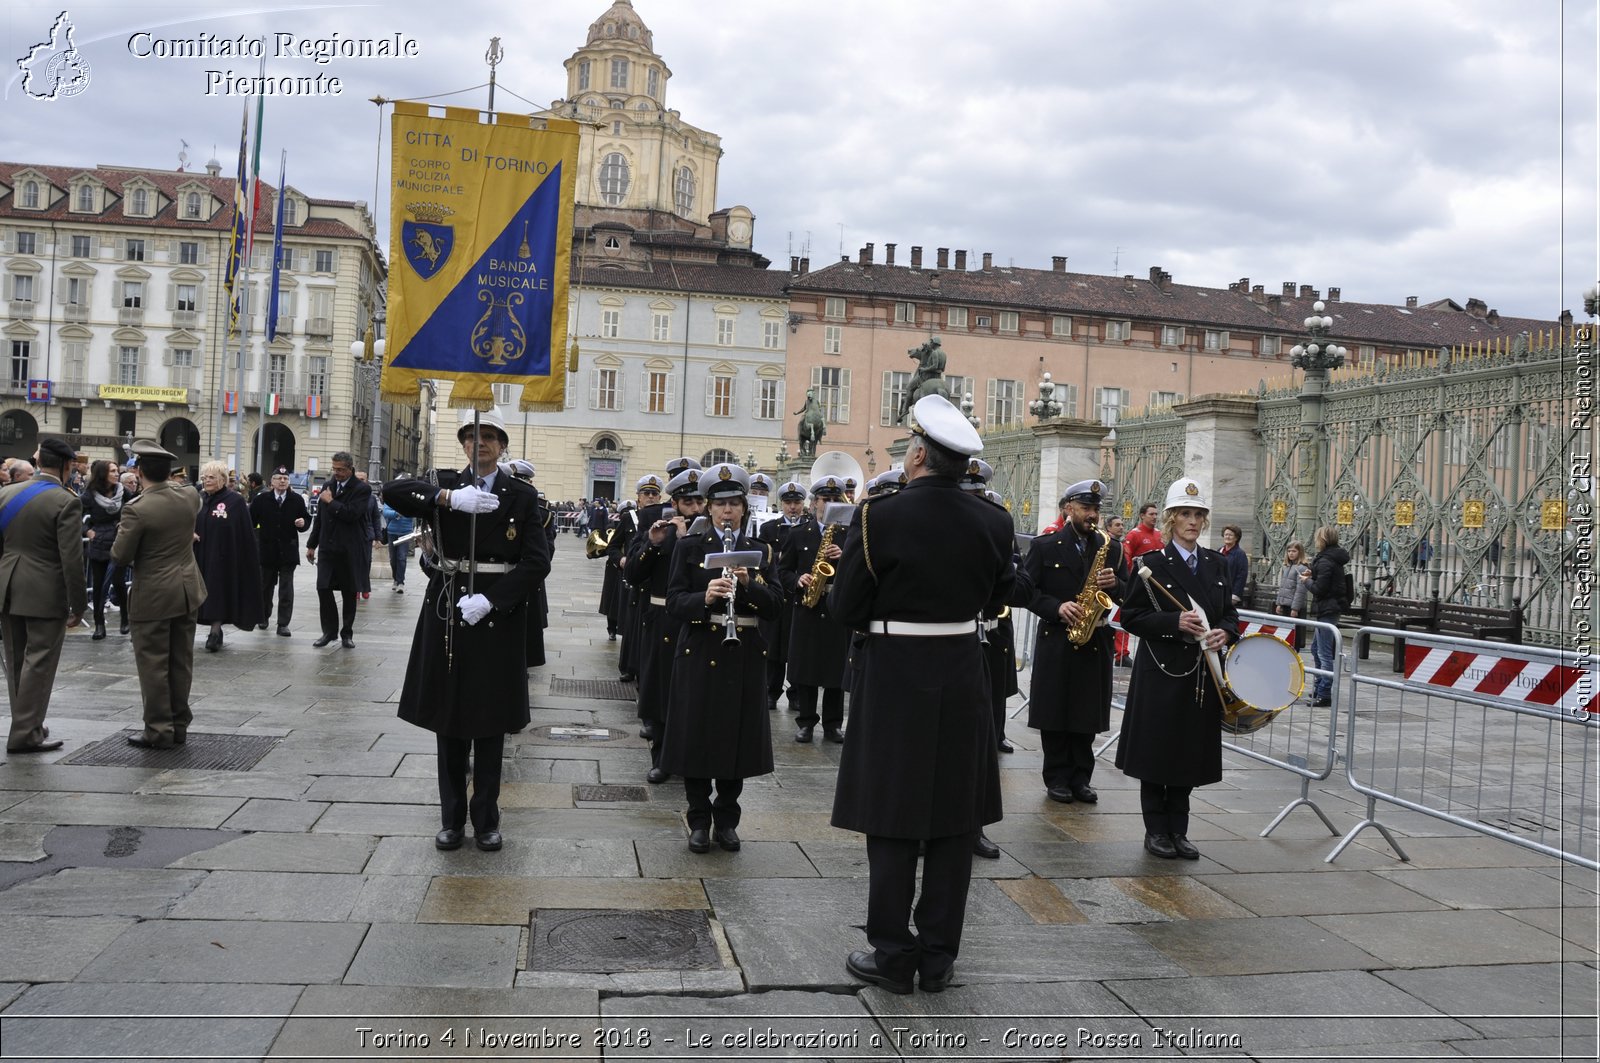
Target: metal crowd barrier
<point x="1024" y="637"/>
<point x="1499" y="739"/>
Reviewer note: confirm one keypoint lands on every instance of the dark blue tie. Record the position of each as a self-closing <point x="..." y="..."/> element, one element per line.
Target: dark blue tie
<point x="1194" y="564"/>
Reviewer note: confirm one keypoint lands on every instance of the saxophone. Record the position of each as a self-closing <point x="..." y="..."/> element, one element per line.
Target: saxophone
<point x="1094" y="602"/>
<point x="821" y="572"/>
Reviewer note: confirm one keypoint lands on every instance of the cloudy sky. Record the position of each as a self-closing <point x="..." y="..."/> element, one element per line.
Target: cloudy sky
<point x="1427" y="147"/>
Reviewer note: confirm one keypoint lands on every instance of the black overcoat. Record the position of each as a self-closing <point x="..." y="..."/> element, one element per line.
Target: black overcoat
<point x="472" y="682"/>
<point x="342" y="536"/>
<point x="627" y="596"/>
<point x="539" y="603"/>
<point x="225" y="549"/>
<point x="648" y="570"/>
<point x="1172" y="726"/>
<point x="1071" y="685"/>
<point x="102" y="521"/>
<point x="717" y="722"/>
<point x="277" y="539"/>
<point x="819" y="645"/>
<point x="920" y="761"/>
<point x="776" y="632"/>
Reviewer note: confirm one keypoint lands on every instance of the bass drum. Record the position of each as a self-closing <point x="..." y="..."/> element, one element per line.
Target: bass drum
<point x="1265" y="676"/>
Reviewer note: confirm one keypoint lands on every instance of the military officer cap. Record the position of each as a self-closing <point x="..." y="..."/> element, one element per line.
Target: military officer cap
<point x="281" y="470"/>
<point x="149" y="448"/>
<point x="1187" y="492"/>
<point x="827" y="487"/>
<point x="686" y="484"/>
<point x="761" y="484"/>
<point x="994" y="496"/>
<point x="652" y="482"/>
<point x="485" y="420"/>
<point x="724" y="480"/>
<point x="1086" y="491"/>
<point x="59" y="451"/>
<point x="677" y="465"/>
<point x="977" y="476"/>
<point x="792" y="491"/>
<point x="886" y="483"/>
<point x="521" y="468"/>
<point x="937" y="419"/>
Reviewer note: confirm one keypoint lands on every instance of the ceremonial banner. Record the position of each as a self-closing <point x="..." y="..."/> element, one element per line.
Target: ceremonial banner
<point x="480" y="228"/>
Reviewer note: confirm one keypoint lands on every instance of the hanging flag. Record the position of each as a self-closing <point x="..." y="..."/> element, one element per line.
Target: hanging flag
<point x="277" y="254"/>
<point x="313" y="406"/>
<point x="273" y="404"/>
<point x="230" y="402"/>
<point x="239" y="241"/>
<point x="482" y="254"/>
<point x="40" y="390"/>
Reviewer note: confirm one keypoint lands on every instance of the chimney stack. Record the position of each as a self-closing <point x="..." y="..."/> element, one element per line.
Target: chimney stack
<point x="944" y="258"/>
<point x="1333" y="295"/>
<point x="1058" y="264"/>
<point x="1307" y="292"/>
<point x="961" y="261"/>
<point x="1127" y="283"/>
<point x="1494" y="317"/>
<point x="1244" y="284"/>
<point x="1288" y="289"/>
<point x="1477" y="307"/>
<point x="866" y="255"/>
<point x="1166" y="282"/>
<point x="805" y="265"/>
<point x="916" y="256"/>
<point x="888" y="254"/>
<point x="988" y="259"/>
<point x="1155" y="275"/>
<point x="1258" y="294"/>
<point x="794" y="263"/>
<point x="1411" y="302"/>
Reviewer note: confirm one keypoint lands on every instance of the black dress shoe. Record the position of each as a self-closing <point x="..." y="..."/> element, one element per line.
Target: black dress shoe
<point x="284" y="632"/>
<point x="628" y="677"/>
<point x="1060" y="793"/>
<point x="834" y="735"/>
<point x="449" y="838"/>
<point x="1085" y="793"/>
<point x="347" y="642"/>
<point x="985" y="848"/>
<point x="647" y="731"/>
<point x="324" y="640"/>
<point x="1006" y="746"/>
<point x="656" y="776"/>
<point x="261" y="626"/>
<point x="804" y="734"/>
<point x="145" y="743"/>
<point x="488" y="840"/>
<point x="180" y="738"/>
<point x="39" y="747"/>
<point x="1322" y="703"/>
<point x="864" y="965"/>
<point x="699" y="840"/>
<point x="214" y="641"/>
<point x="125" y="622"/>
<point x="1184" y="847"/>
<point x="1160" y="845"/>
<point x="99" y="630"/>
<point x="772" y="704"/>
<point x="937" y="983"/>
<point x="727" y="837"/>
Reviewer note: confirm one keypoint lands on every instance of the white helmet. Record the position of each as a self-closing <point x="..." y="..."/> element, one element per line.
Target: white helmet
<point x="486" y="419"/>
<point x="1187" y="492"/>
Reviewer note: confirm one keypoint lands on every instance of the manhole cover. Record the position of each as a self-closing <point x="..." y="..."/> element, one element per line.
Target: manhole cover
<point x="585" y="791"/>
<point x="576" y="733"/>
<point x="603" y="689"/>
<point x="203" y="752"/>
<point x="612" y="942"/>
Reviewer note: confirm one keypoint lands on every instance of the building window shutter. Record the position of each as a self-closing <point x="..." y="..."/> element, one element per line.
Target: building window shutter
<point x="594" y="389"/>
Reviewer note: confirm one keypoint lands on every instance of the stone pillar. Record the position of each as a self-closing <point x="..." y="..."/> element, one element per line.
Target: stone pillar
<point x="1069" y="451"/>
<point x="1313" y="444"/>
<point x="1221" y="450"/>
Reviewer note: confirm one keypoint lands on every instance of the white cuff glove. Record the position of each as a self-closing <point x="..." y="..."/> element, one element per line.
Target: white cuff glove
<point x="471" y="499"/>
<point x="474" y="607"/>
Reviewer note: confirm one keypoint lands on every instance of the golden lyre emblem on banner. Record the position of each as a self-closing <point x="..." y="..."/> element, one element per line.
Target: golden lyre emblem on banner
<point x="498" y="335"/>
<point x="1553" y="515"/>
<point x="1405" y="513"/>
<point x="1347" y="513"/>
<point x="1280" y="511"/>
<point x="1472" y="511"/>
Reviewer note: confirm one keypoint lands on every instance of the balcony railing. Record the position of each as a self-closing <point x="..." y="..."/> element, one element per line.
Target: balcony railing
<point x="185" y="318"/>
<point x="75" y="314"/>
<point x="21" y="310"/>
<point x="320" y="326"/>
<point x="130" y="315"/>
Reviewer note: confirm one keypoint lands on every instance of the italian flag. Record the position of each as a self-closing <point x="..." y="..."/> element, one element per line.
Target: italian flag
<point x="274" y="403"/>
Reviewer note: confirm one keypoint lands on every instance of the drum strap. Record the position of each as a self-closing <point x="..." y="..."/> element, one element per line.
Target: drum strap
<point x="1150" y="643"/>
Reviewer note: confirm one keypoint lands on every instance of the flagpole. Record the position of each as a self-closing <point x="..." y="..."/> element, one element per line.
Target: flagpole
<point x="244" y="272"/>
<point x="272" y="304"/>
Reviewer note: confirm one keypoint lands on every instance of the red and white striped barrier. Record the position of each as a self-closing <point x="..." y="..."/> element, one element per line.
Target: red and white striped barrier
<point x="1571" y="690"/>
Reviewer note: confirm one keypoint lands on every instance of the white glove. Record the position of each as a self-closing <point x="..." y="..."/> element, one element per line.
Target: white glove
<point x="471" y="499"/>
<point x="474" y="607"/>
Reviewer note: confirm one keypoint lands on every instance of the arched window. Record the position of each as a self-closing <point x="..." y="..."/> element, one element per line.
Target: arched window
<point x="30" y="194"/>
<point x="614" y="179"/>
<point x="605" y="443"/>
<point x="86" y="199"/>
<point x="191" y="205"/>
<point x="683" y="190"/>
<point x="140" y="202"/>
<point x="291" y="212"/>
<point x="717" y="457"/>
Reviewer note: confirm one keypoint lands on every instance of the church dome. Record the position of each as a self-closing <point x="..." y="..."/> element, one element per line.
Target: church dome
<point x="620" y="23"/>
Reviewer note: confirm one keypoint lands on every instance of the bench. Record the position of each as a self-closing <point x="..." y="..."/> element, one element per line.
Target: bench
<point x="1401" y="613"/>
<point x="1480" y="621"/>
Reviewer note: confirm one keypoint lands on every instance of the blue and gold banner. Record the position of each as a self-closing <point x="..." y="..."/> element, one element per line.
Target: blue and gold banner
<point x="480" y="255"/>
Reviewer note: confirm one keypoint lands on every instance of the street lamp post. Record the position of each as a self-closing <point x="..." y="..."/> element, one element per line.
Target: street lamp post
<point x="966" y="408"/>
<point x="1316" y="357"/>
<point x="872" y="462"/>
<point x="750" y="461"/>
<point x="783" y="457"/>
<point x="1046" y="407"/>
<point x="369" y="352"/>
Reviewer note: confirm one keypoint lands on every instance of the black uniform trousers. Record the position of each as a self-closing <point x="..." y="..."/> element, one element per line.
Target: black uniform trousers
<point x="803" y="700"/>
<point x="704" y="813"/>
<point x="283" y="580"/>
<point x="485" y="770"/>
<point x="1068" y="758"/>
<point x="329" y="609"/>
<point x="940" y="912"/>
<point x="1165" y="808"/>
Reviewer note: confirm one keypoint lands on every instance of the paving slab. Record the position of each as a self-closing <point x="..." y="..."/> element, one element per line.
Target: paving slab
<point x="787" y="1025"/>
<point x="285" y="852"/>
<point x="33" y="774"/>
<point x="1255" y="946"/>
<point x="1444" y="939"/>
<point x="145" y="893"/>
<point x="1102" y="859"/>
<point x="1486" y="887"/>
<point x="10" y="991"/>
<point x="672" y="859"/>
<point x="54" y="949"/>
<point x="848" y="859"/>
<point x="144" y="1021"/>
<point x="1318" y="893"/>
<point x="273" y="815"/>
<point x="1041" y="900"/>
<point x="464" y="899"/>
<point x="327" y="1018"/>
<point x="416" y="821"/>
<point x="1102" y="900"/>
<point x="1293" y="854"/>
<point x="807" y="902"/>
<point x="522" y="856"/>
<point x="123" y="809"/>
<point x="633" y="983"/>
<point x="390" y="899"/>
<point x="1122" y="827"/>
<point x="436" y="955"/>
<point x="272" y="895"/>
<point x="1489" y="999"/>
<point x="178" y="950"/>
<point x="624" y="822"/>
<point x="319" y="759"/>
<point x="367" y="790"/>
<point x="1472" y="851"/>
<point x="23" y="841"/>
<point x="228" y="784"/>
<point x="1530" y="1049"/>
<point x="1576" y="926"/>
<point x="802" y="827"/>
<point x="1307" y="1011"/>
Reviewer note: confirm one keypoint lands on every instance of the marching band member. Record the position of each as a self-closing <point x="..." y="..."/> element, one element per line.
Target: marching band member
<point x="539" y="604"/>
<point x="1172" y="728"/>
<point x="760" y="490"/>
<point x="648" y="569"/>
<point x="775" y="533"/>
<point x="818" y="644"/>
<point x="921" y="764"/>
<point x="647" y="493"/>
<point x="716" y="727"/>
